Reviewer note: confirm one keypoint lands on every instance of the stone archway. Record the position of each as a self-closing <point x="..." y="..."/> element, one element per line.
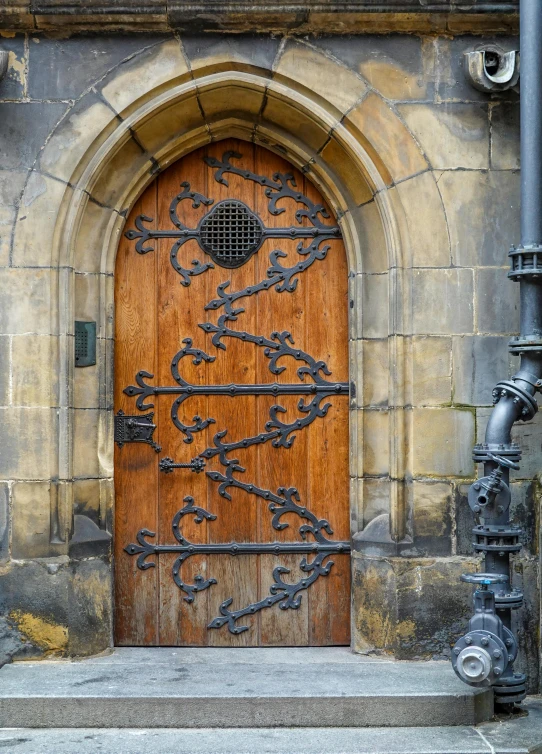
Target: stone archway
<point x="151" y="112"/>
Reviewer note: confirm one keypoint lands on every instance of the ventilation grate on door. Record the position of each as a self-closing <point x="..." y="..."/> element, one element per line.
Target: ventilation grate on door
<point x="231" y="233"/>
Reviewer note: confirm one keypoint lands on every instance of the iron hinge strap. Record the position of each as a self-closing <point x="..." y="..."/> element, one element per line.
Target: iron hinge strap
<point x="245" y="548"/>
<point x="271" y="388"/>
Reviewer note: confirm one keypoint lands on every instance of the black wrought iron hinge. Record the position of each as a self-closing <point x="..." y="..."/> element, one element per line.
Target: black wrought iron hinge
<point x="135" y="429"/>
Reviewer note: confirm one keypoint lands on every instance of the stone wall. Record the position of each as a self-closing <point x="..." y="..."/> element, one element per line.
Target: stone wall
<point x="422" y="171"/>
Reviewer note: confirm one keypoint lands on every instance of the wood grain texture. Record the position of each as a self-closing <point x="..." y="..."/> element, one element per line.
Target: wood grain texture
<point x="136" y="471"/>
<point x="154" y="314"/>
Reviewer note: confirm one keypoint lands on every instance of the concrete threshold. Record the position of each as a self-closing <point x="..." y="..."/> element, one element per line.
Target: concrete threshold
<point x="237" y="688"/>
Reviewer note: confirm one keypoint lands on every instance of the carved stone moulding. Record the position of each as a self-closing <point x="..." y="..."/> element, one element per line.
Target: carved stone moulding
<point x="331" y="16"/>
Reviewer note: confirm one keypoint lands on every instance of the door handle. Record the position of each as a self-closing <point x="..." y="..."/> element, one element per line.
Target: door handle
<point x="167" y="465"/>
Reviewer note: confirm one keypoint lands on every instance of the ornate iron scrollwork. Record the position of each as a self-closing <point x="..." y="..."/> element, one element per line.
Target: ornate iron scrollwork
<point x="231" y="232"/>
<point x="135" y="429"/>
<point x="143" y="549"/>
<point x="280" y="433"/>
<point x="287" y="595"/>
<point x="277" y="346"/>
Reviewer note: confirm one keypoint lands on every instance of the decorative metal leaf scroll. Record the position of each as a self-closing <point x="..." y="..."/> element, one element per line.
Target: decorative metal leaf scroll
<point x="287" y="595"/>
<point x="231" y="232"/>
<point x="231" y="247"/>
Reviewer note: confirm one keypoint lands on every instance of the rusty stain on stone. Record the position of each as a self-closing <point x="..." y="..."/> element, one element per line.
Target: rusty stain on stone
<point x="94" y="589"/>
<point x="406" y="629"/>
<point x="47" y="635"/>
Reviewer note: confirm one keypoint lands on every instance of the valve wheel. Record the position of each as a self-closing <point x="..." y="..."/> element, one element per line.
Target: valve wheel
<point x="485" y="578"/>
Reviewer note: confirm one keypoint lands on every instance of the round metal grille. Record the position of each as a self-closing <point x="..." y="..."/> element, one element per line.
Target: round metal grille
<point x="231" y="233"/>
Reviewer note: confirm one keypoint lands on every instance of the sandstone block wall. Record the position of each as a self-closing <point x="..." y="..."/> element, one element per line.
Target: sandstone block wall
<point x="404" y="149"/>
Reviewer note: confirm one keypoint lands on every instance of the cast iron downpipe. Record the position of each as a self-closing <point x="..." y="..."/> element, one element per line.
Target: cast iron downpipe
<point x="485" y="655"/>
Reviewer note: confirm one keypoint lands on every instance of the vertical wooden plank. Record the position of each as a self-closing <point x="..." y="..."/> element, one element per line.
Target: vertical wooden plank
<point x="180" y="308"/>
<point x="136" y="617"/>
<point x="236" y="519"/>
<point x="328" y="439"/>
<point x="281" y="467"/>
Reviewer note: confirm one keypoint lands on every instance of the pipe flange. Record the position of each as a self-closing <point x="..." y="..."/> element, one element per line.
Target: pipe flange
<point x="525" y="262"/>
<point x="525" y="344"/>
<point x="514" y="696"/>
<point x="511" y="645"/>
<point x="528" y="377"/>
<point x="480" y="658"/>
<point x="520" y="396"/>
<point x="500" y="548"/>
<point x="480" y="452"/>
<point x="485" y="579"/>
<point x="511" y="600"/>
<point x="497" y="539"/>
<point x="510" y="689"/>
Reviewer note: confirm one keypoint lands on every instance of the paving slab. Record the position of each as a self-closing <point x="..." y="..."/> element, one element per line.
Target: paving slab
<point x="241" y="741"/>
<point x="520" y="735"/>
<point x="516" y="735"/>
<point x="207" y="688"/>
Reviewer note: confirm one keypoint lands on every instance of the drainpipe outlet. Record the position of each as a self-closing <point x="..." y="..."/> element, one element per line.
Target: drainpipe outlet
<point x="491" y="69"/>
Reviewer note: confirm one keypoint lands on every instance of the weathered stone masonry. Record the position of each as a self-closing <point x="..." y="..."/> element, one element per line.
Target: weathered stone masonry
<point x="422" y="171"/>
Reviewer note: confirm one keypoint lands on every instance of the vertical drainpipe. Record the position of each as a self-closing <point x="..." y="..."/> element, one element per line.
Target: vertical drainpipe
<point x="4" y="57"/>
<point x="485" y="655"/>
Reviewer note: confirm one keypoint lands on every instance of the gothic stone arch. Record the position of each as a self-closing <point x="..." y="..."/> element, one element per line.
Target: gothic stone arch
<point x="149" y="112"/>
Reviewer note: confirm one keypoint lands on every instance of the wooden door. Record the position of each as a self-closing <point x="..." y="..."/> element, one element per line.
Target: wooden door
<point x="231" y="392"/>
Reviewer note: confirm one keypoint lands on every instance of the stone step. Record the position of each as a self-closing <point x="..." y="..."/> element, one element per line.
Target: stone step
<point x="516" y="736"/>
<point x="236" y="688"/>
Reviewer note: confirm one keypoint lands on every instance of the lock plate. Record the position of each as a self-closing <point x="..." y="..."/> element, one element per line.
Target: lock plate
<point x="135" y="429"/>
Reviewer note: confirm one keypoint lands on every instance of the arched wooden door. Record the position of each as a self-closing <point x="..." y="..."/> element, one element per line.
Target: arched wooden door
<point x="231" y="393"/>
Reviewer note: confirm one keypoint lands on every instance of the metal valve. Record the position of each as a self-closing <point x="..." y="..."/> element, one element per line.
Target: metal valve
<point x="489" y="491"/>
<point x="482" y="656"/>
